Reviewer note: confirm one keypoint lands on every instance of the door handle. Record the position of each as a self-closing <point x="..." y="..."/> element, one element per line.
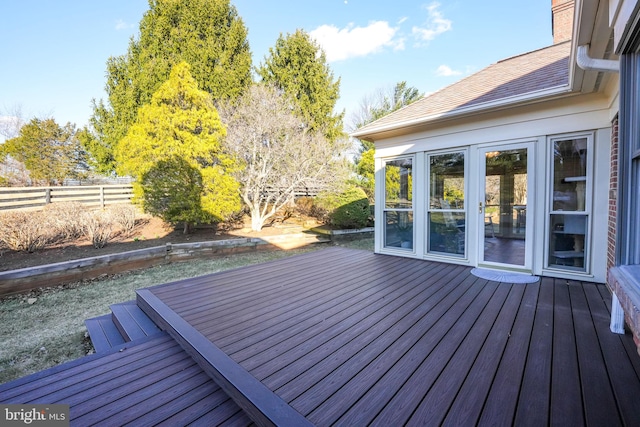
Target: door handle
<point x="480" y="207"/>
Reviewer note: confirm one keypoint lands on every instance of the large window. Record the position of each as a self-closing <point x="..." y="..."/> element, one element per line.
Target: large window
<point x="628" y="247"/>
<point x="398" y="203"/>
<point x="446" y="208"/>
<point x="569" y="205"/>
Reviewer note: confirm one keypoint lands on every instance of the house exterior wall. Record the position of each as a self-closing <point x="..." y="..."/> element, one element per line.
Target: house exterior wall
<point x="620" y="18"/>
<point x="622" y="280"/>
<point x="537" y="124"/>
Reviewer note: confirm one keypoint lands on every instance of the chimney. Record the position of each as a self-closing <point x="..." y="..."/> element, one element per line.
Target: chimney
<point x="562" y="20"/>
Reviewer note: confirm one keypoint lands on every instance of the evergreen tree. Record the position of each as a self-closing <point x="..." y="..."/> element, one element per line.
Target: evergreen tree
<point x="207" y="34"/>
<point x="50" y="152"/>
<point x="174" y="150"/>
<point x="298" y="66"/>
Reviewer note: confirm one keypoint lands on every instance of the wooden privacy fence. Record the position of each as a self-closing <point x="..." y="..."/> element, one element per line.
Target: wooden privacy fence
<point x="34" y="198"/>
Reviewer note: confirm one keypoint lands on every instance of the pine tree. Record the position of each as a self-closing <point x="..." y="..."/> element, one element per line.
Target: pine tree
<point x="174" y="150"/>
<point x="298" y="66"/>
<point x="207" y="34"/>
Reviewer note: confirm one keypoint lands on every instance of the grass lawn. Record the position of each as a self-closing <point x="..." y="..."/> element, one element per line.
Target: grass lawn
<point x="50" y="330"/>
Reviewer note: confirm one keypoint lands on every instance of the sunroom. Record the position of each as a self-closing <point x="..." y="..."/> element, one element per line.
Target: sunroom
<point x="507" y="169"/>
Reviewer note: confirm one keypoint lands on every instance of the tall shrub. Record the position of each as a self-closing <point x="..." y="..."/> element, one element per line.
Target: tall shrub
<point x="346" y="209"/>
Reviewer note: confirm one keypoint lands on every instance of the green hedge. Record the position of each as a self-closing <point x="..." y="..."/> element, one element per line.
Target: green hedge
<point x="348" y="209"/>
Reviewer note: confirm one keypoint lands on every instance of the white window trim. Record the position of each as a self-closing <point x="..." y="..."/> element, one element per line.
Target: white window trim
<point x="382" y="195"/>
<point x="427" y="209"/>
<point x="588" y="208"/>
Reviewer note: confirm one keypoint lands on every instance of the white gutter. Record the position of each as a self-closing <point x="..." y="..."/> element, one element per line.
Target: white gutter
<point x="590" y="64"/>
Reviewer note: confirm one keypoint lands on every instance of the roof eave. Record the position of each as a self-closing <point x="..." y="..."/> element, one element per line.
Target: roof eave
<point x="406" y="126"/>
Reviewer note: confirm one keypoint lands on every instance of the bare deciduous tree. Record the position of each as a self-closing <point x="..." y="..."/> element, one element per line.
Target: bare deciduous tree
<point x="12" y="172"/>
<point x="278" y="152"/>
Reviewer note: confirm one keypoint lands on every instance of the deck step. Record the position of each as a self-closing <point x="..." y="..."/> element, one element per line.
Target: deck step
<point x="103" y="333"/>
<point x="132" y="322"/>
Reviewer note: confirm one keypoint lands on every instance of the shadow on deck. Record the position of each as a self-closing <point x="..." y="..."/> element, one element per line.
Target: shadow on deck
<point x="352" y="338"/>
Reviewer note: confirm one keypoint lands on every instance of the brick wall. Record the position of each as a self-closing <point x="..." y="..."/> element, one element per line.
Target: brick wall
<point x="613" y="193"/>
<point x="619" y="282"/>
<point x="562" y="20"/>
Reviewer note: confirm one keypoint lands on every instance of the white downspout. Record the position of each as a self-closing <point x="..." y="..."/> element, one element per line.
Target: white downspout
<point x="590" y="64"/>
<point x="607" y="66"/>
<point x="587" y="63"/>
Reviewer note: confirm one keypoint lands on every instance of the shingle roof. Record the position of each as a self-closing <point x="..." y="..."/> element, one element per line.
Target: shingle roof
<point x="520" y="75"/>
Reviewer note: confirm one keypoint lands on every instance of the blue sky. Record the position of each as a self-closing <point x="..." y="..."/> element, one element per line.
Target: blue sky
<point x="54" y="53"/>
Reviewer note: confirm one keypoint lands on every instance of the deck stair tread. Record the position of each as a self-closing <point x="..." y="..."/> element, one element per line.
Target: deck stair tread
<point x="127" y="322"/>
<point x="103" y="333"/>
<point x="132" y="322"/>
<point x="151" y="381"/>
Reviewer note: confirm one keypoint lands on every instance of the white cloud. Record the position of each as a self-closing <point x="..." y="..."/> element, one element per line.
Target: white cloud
<point x="436" y="24"/>
<point x="121" y="25"/>
<point x="350" y="42"/>
<point x="446" y="71"/>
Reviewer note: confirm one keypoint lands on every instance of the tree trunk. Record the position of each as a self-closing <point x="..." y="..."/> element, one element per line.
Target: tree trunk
<point x="257" y="220"/>
<point x="187" y="228"/>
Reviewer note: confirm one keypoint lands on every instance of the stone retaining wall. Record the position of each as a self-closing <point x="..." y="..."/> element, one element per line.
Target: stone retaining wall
<point x="25" y="279"/>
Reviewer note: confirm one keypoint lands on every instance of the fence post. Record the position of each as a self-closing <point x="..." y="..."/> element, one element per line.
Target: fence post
<point x="47" y="195"/>
<point x="102" y="196"/>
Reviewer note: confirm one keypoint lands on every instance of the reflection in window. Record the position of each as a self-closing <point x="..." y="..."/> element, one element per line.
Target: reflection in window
<point x="569" y="174"/>
<point x="446" y="214"/>
<point x="569" y="216"/>
<point x="398" y="203"/>
<point x="447" y="232"/>
<point x="447" y="181"/>
<point x="398" y="229"/>
<point x="398" y="184"/>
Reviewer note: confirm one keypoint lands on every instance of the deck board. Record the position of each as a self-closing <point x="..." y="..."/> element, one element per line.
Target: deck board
<point x="331" y="323"/>
<point x="623" y="376"/>
<point x="502" y="400"/>
<point x="436" y="404"/>
<point x="598" y="397"/>
<point x="469" y="402"/>
<point x="348" y="337"/>
<point x="565" y="378"/>
<point x="533" y="402"/>
<point x="389" y="353"/>
<point x="146" y="383"/>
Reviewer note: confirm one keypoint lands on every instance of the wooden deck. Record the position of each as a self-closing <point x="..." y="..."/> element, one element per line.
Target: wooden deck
<point x="153" y="382"/>
<point x="347" y="337"/>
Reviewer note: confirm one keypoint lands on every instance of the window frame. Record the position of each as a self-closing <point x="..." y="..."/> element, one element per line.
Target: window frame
<point x="586" y="212"/>
<point x="409" y="210"/>
<point x="628" y="230"/>
<point x="451" y="210"/>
